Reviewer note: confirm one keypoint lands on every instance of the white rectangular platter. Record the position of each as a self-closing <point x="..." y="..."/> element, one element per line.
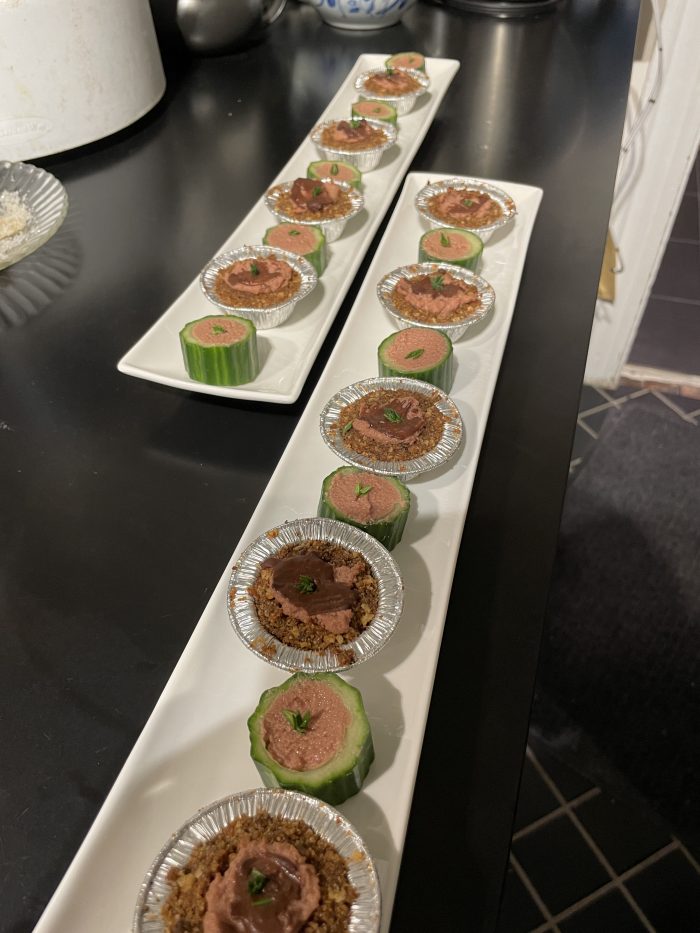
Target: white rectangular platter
<point x="287" y="352"/>
<point x="194" y="748"/>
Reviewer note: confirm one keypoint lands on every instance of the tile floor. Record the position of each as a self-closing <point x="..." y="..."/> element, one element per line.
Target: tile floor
<point x="582" y="861"/>
<point x="669" y="333"/>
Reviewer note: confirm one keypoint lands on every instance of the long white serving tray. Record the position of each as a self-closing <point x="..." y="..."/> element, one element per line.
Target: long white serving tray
<point x="194" y="748"/>
<point x="287" y="352"/>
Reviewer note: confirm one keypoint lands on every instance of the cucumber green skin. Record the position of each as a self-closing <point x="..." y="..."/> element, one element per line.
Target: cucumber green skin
<point x="469" y="262"/>
<point x="440" y="375"/>
<point x="354" y="182"/>
<point x="220" y="365"/>
<point x="392" y="118"/>
<point x="421" y="67"/>
<point x="329" y="783"/>
<point x="318" y="257"/>
<point x="388" y="531"/>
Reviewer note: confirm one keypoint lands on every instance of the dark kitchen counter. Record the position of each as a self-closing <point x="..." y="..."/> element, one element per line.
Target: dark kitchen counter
<point x="121" y="500"/>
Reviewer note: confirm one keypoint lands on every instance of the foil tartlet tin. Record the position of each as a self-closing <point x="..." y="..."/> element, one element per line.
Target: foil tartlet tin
<point x="244" y="618"/>
<point x="333" y="228"/>
<point x="403" y="102"/>
<point x="454" y="331"/>
<point x="502" y="198"/>
<point x="364" y="159"/>
<point x="405" y="470"/>
<point x="331" y="825"/>
<point x="263" y="318"/>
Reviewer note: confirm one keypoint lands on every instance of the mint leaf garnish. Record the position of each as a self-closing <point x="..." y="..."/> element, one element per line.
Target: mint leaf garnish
<point x="346" y="428"/>
<point x="254" y="269"/>
<point x="256" y="881"/>
<point x="444" y="239"/>
<point x="298" y="722"/>
<point x="306" y="584"/>
<point x="437" y="281"/>
<point x="414" y="354"/>
<point x="392" y="415"/>
<point x="467" y="202"/>
<point x="361" y="490"/>
<point x="262" y="901"/>
<point x="334" y="169"/>
<point x="316" y="190"/>
<point x="218" y="329"/>
<point x="294" y="233"/>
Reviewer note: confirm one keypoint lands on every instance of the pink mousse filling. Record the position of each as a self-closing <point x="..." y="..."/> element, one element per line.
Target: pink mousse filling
<point x="258" y="276"/>
<point x="218" y="330"/>
<point x="290" y="894"/>
<point x="295" y="238"/>
<point x="459" y="246"/>
<point x="324" y="735"/>
<point x="382" y="498"/>
<point x="406" y="342"/>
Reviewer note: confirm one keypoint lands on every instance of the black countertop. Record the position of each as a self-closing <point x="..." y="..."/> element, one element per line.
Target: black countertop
<point x="121" y="500"/>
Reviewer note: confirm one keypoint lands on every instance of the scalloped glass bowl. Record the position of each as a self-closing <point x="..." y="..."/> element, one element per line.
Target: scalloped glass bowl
<point x="47" y="202"/>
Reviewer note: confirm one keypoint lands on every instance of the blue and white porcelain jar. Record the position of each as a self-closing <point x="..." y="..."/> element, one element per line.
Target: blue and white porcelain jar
<point x="361" y="14"/>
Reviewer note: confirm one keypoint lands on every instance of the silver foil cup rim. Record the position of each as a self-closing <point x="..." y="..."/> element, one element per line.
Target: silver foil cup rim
<point x="390" y="130"/>
<point x="244" y="618"/>
<point x="273" y="194"/>
<point x="502" y="198"/>
<point x="446" y="447"/>
<point x="487" y="295"/>
<point x="422" y="79"/>
<point x="332" y="826"/>
<point x="208" y="275"/>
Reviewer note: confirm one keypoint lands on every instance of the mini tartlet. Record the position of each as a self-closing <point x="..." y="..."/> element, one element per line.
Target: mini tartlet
<point x="325" y="203"/>
<point x="361" y="142"/>
<point x="328" y="859"/>
<point x="259" y="283"/>
<point x="315" y="595"/>
<point x="467" y="204"/>
<point x="428" y="426"/>
<point x="398" y="86"/>
<point x="429" y="294"/>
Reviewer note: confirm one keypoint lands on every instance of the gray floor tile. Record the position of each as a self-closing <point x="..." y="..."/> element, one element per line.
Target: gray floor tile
<point x="679" y="275"/>
<point x="669" y="335"/>
<point x="687" y="223"/>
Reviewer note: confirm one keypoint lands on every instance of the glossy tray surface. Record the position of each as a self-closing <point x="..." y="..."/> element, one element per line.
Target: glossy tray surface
<point x="288" y="352"/>
<point x="194" y="749"/>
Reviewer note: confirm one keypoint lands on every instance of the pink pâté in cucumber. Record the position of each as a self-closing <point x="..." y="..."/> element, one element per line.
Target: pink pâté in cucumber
<point x="220" y="349"/>
<point x="303" y="239"/>
<point x="407" y="60"/>
<point x="312" y="734"/>
<point x="377" y="504"/>
<point x="374" y="110"/>
<point x="337" y="170"/>
<point x="418" y="353"/>
<point x="453" y="245"/>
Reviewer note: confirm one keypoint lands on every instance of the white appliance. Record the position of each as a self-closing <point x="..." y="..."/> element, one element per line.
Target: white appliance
<point x="73" y="71"/>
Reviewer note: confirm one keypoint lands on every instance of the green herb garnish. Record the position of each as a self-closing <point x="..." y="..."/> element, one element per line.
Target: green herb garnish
<point x="316" y="190"/>
<point x="306" y="584"/>
<point x="414" y="354"/>
<point x="355" y="122"/>
<point x="361" y="490"/>
<point x="334" y="169"/>
<point x="444" y="239"/>
<point x="256" y="881"/>
<point x="392" y="415"/>
<point x="218" y="329"/>
<point x="390" y="71"/>
<point x="437" y="281"/>
<point x="346" y="428"/>
<point x="294" y="233"/>
<point x="467" y="202"/>
<point x="254" y="269"/>
<point x="295" y="719"/>
<point x="262" y="901"/>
